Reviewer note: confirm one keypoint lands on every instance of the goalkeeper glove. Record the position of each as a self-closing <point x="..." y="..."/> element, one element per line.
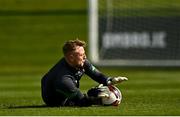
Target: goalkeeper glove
<point x="116" y="80"/>
<point x="104" y="91"/>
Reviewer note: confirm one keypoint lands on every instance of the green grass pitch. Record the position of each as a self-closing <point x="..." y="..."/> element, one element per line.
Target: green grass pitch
<point x="148" y="92"/>
<point x="32" y="33"/>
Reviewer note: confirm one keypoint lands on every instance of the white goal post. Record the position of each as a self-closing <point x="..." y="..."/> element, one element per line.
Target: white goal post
<point x="126" y="34"/>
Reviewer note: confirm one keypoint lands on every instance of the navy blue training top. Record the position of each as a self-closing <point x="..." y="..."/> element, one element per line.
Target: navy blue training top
<point x="61" y="83"/>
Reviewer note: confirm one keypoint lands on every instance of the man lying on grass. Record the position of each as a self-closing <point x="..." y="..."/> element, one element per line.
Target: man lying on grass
<point x="60" y="86"/>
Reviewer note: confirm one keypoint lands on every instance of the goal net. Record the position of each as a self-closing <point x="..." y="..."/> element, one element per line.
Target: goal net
<point x="134" y="32"/>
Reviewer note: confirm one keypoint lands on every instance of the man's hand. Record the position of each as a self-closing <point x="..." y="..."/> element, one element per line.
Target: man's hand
<point x="104" y="91"/>
<point x="116" y="80"/>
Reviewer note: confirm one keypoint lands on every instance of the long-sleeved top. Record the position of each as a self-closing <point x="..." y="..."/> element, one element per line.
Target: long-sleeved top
<point x="60" y="86"/>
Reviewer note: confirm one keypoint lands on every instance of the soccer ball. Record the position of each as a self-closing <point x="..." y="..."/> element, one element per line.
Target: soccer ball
<point x="115" y="96"/>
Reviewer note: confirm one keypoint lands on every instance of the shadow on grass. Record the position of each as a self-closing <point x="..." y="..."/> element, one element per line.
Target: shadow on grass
<point x="36" y="106"/>
<point x="27" y="106"/>
<point x="43" y="106"/>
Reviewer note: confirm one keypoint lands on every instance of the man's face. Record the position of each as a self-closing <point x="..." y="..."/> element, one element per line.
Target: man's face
<point x="78" y="57"/>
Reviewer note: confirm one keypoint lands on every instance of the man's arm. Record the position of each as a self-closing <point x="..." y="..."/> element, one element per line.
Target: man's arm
<point x="94" y="73"/>
<point x="98" y="76"/>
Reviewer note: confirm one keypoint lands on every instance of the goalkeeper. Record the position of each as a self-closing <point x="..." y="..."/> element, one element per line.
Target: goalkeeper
<point x="60" y="85"/>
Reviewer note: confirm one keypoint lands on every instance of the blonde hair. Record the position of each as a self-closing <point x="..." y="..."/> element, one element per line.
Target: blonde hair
<point x="71" y="45"/>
